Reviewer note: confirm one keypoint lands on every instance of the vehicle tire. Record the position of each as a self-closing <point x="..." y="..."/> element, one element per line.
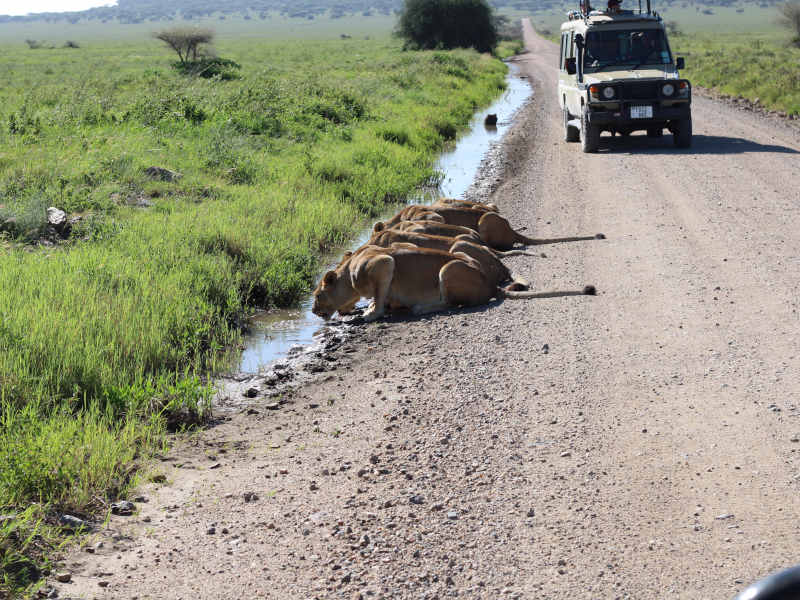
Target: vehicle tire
<point x="682" y="133"/>
<point x="590" y="134"/>
<point x="655" y="132"/>
<point x="571" y="134"/>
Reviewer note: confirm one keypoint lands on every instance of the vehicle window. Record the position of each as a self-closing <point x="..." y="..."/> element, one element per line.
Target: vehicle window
<point x="571" y="48"/>
<point x="628" y="48"/>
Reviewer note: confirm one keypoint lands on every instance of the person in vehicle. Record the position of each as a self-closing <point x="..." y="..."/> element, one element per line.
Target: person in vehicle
<point x="613" y="7"/>
<point x="645" y="47"/>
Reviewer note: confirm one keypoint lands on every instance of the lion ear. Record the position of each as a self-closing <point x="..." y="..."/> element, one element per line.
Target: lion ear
<point x="329" y="278"/>
<point x="492" y="207"/>
<point x="379" y="226"/>
<point x="347" y="255"/>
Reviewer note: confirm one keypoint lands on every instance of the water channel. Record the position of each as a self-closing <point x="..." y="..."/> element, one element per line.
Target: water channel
<point x="274" y="333"/>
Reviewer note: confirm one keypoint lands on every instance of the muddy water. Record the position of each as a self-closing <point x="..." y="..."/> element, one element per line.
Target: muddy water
<point x="274" y="334"/>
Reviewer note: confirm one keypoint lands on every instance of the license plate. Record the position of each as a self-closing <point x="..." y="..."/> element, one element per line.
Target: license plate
<point x="641" y="112"/>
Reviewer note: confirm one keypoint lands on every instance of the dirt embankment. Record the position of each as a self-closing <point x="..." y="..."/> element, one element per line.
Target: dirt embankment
<point x="643" y="443"/>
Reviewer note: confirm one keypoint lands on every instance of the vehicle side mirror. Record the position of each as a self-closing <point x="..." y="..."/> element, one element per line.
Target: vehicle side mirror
<point x="570" y="65"/>
<point x="679" y="63"/>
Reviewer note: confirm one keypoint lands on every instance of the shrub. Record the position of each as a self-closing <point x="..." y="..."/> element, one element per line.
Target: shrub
<point x="427" y="24"/>
<point x="209" y="67"/>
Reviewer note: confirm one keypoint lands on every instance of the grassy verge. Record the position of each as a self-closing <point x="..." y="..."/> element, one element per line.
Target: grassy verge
<point x="106" y="337"/>
<point x="752" y="65"/>
<point x="508" y="48"/>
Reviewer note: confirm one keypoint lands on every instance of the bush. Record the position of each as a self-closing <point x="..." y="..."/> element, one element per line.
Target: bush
<point x="427" y="24"/>
<point x="209" y="67"/>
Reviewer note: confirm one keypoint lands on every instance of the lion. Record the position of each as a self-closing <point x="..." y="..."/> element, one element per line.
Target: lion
<point x="422" y="236"/>
<point x="486" y="257"/>
<point x="404" y="275"/>
<point x="432" y="228"/>
<point x="457" y="203"/>
<point x="494" y="230"/>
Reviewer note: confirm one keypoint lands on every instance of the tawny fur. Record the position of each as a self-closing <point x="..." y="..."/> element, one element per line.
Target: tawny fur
<point x="404" y="275"/>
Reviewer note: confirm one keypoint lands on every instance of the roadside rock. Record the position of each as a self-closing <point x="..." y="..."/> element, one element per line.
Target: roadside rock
<point x="57" y="219"/>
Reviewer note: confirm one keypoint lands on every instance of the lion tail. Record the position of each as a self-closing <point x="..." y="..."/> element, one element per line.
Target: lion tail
<point x="522" y="239"/>
<point x="589" y="290"/>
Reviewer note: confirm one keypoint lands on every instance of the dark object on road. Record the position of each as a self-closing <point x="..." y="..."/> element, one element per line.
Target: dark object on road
<point x="490" y="120"/>
<point x="783" y="585"/>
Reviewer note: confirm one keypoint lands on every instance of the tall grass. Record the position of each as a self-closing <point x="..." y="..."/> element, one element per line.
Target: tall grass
<point x="106" y="338"/>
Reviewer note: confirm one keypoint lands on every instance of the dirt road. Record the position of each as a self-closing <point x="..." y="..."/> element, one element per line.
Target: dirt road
<point x="643" y="443"/>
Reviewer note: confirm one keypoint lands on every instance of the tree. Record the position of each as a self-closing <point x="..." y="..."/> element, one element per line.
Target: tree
<point x="186" y="41"/>
<point x="430" y="24"/>
<point x="790" y="18"/>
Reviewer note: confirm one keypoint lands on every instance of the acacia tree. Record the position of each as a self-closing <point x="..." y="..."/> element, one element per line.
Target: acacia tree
<point x="186" y="41"/>
<point x="790" y="18"/>
<point x="448" y="24"/>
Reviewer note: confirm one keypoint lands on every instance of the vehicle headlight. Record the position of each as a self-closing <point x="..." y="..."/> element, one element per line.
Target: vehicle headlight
<point x="608" y="93"/>
<point x="668" y="89"/>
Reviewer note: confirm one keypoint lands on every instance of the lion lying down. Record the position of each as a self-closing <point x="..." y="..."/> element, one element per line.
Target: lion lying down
<point x="405" y="276"/>
<point x="494" y="230"/>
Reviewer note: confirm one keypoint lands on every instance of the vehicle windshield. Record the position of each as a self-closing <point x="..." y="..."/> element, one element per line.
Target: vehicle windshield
<point x="628" y="48"/>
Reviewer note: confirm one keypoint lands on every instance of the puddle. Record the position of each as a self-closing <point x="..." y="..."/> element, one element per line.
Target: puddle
<point x="275" y="334"/>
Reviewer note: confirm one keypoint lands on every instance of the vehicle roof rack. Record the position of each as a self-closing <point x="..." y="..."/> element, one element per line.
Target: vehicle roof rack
<point x="585" y="10"/>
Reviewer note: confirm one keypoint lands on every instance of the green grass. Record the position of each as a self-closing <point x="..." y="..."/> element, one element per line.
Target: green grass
<point x="754" y="66"/>
<point x="105" y="339"/>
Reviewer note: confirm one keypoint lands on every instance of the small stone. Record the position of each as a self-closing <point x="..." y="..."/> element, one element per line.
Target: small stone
<point x="273" y="406"/>
<point x="250" y="497"/>
<point x="363" y="541"/>
<point x="123" y="507"/>
<point x="416" y="499"/>
<point x="313" y="487"/>
<point x="546" y="349"/>
<point x="141" y="499"/>
<point x="251" y="392"/>
<point x="531" y="512"/>
<point x="64" y="577"/>
<point x="566" y="454"/>
<point x="73" y="523"/>
<point x="452" y="515"/>
<point x="211" y="531"/>
<point x="723" y="516"/>
<point x="103" y="584"/>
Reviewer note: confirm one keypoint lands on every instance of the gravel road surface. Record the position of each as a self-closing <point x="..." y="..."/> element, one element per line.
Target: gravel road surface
<point x="643" y="443"/>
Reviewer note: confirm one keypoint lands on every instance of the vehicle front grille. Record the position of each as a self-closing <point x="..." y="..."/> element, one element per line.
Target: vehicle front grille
<point x="645" y="90"/>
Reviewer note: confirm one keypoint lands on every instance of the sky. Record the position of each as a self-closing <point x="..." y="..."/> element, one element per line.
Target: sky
<point x="23" y="7"/>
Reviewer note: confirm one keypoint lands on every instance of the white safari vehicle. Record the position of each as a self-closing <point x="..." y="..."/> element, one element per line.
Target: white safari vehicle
<point x="617" y="74"/>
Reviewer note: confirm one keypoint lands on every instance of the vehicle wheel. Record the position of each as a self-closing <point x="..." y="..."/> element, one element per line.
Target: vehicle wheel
<point x="571" y="134"/>
<point x="655" y="132"/>
<point x="682" y="133"/>
<point x="590" y="134"/>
